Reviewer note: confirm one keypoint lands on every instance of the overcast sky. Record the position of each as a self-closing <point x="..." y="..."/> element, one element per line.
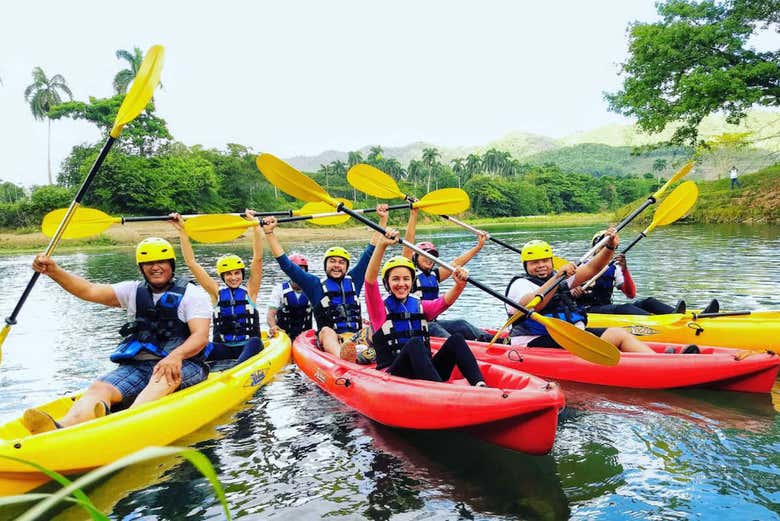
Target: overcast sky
<point x="303" y="77"/>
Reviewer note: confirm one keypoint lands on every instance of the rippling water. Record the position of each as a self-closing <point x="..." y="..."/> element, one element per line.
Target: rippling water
<point x="295" y="453"/>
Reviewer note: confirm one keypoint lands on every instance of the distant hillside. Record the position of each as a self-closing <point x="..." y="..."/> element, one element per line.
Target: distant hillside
<point x="602" y="151"/>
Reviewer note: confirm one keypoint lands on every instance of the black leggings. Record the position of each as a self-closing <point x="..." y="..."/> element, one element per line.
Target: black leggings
<point x="415" y="361"/>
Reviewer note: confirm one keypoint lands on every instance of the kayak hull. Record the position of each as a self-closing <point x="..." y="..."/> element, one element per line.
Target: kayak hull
<point x="100" y="441"/>
<point x="757" y="331"/>
<point x="717" y="368"/>
<point x="517" y="411"/>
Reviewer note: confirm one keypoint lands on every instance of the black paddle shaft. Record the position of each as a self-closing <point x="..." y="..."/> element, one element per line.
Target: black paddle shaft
<point x="368" y="222"/>
<point x="11" y="319"/>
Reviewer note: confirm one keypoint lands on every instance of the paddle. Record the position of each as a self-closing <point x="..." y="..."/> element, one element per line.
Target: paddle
<point x="677" y="204"/>
<point x="296" y="184"/>
<point x="669" y="213"/>
<point x="135" y="101"/>
<point x="90" y="221"/>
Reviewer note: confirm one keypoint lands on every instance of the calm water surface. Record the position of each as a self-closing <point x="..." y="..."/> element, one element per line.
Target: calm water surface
<point x="294" y="453"/>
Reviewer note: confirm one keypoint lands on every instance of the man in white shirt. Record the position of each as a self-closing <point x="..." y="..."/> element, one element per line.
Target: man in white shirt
<point x="169" y="327"/>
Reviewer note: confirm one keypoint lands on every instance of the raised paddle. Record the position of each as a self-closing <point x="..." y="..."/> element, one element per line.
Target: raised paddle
<point x="296" y="184"/>
<point x="677" y="204"/>
<point x="90" y="221"/>
<point x="227" y="227"/>
<point x="135" y="101"/>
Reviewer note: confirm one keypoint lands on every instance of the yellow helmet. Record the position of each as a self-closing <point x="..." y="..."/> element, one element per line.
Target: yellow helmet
<point x="154" y="249"/>
<point x="336" y="251"/>
<point x="394" y="262"/>
<point x="229" y="263"/>
<point x="534" y="250"/>
<point x="597" y="237"/>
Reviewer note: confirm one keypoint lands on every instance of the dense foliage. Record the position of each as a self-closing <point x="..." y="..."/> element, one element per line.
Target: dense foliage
<point x="699" y="59"/>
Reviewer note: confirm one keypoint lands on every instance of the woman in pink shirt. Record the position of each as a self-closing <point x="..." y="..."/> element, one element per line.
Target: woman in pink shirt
<point x="399" y="322"/>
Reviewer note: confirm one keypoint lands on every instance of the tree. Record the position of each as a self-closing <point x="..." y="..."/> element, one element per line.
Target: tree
<point x="430" y="158"/>
<point x="697" y="60"/>
<point x="42" y="94"/>
<point x="125" y="76"/>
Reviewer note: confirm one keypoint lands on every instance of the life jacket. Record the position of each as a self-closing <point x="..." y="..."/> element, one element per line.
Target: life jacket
<point x="236" y="318"/>
<point x="561" y="306"/>
<point x="339" y="308"/>
<point x="404" y="321"/>
<point x="426" y="285"/>
<point x="600" y="293"/>
<point x="157" y="328"/>
<point x="295" y="314"/>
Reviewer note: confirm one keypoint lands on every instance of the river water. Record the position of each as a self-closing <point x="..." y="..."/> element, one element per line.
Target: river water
<point x="295" y="453"/>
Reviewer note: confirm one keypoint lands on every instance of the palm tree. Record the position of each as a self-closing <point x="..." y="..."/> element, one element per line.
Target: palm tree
<point x="375" y="155"/>
<point x="458" y="167"/>
<point x="473" y="164"/>
<point x="42" y="94"/>
<point x="430" y="158"/>
<point x="125" y="76"/>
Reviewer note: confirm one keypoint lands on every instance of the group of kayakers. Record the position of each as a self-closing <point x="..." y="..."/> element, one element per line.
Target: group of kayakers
<point x="166" y="340"/>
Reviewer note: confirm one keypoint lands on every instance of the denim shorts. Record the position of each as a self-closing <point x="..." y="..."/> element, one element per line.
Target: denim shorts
<point x="132" y="377"/>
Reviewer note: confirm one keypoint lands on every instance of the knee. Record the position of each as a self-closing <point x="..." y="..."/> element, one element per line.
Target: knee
<point x="103" y="391"/>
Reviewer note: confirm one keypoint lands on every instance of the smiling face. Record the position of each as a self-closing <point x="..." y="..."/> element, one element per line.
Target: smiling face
<point x="541" y="268"/>
<point x="336" y="267"/>
<point x="399" y="282"/>
<point x="157" y="273"/>
<point x="233" y="278"/>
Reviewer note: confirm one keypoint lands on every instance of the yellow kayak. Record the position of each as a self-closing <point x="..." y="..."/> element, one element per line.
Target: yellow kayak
<point x="754" y="330"/>
<point x="103" y="440"/>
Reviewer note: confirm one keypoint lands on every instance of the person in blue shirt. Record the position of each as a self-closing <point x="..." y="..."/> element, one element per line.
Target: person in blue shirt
<point x="335" y="298"/>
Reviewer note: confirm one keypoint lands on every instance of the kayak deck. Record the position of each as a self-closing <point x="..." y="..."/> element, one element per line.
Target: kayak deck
<point x="516" y="410"/>
<point x="103" y="440"/>
<point x="714" y="367"/>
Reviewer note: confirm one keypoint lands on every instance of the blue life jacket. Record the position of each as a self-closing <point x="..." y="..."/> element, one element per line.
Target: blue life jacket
<point x="600" y="293"/>
<point x="236" y="319"/>
<point x="339" y="308"/>
<point x="427" y="284"/>
<point x="295" y="314"/>
<point x="157" y="328"/>
<point x="405" y="320"/>
<point x="561" y="306"/>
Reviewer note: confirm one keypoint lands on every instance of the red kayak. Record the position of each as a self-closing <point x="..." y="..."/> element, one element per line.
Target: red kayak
<point x="714" y="367"/>
<point x="517" y="411"/>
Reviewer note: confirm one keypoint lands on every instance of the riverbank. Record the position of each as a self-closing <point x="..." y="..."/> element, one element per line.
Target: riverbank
<point x="132" y="233"/>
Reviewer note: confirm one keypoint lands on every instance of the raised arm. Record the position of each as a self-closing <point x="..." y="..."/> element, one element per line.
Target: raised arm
<point x="628" y="287"/>
<point x="467" y="256"/>
<point x="587" y="271"/>
<point x="411" y="230"/>
<point x="256" y="270"/>
<point x="75" y="285"/>
<point x="200" y="274"/>
<point x="383" y="241"/>
<point x="383" y="213"/>
<point x="460" y="276"/>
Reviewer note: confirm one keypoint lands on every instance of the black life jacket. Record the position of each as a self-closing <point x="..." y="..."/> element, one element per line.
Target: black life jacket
<point x="561" y="306"/>
<point x="157" y="328"/>
<point x="404" y="321"/>
<point x="339" y="308"/>
<point x="295" y="314"/>
<point x="427" y="284"/>
<point x="236" y="319"/>
<point x="600" y="293"/>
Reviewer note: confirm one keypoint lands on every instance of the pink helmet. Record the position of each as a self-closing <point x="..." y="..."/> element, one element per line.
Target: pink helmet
<point x="300" y="260"/>
<point x="429" y="247"/>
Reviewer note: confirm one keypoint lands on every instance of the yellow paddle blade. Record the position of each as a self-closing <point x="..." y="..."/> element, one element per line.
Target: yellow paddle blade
<point x="142" y="89"/>
<point x="217" y="227"/>
<point x="314" y="208"/>
<point x="290" y="181"/>
<point x="559" y="262"/>
<point x="445" y="201"/>
<point x="677" y="204"/>
<point x="512" y="320"/>
<point x="580" y="342"/>
<point x="682" y="172"/>
<point x="339" y="218"/>
<point x="373" y="181"/>
<point x="3" y="335"/>
<point x="83" y="223"/>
